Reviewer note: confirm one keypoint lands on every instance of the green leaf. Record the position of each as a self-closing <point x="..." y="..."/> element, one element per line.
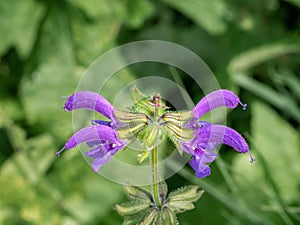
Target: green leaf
<point x="95" y="35"/>
<point x="137" y="12"/>
<point x="210" y="15"/>
<point x="30" y="203"/>
<point x="96" y="9"/>
<point x="134" y="192"/>
<point x="290" y="79"/>
<point x="34" y="158"/>
<point x="277" y="152"/>
<point x="285" y="103"/>
<point x="182" y="199"/>
<point x="295" y="2"/>
<point x="10" y="108"/>
<point x="257" y="55"/>
<point x="131" y="208"/>
<point x="239" y="66"/>
<point x="41" y="150"/>
<point x="19" y="22"/>
<point x="76" y="185"/>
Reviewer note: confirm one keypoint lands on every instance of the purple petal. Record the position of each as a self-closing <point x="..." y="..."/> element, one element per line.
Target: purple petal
<point x="92" y="101"/>
<point x="101" y="122"/>
<point x="215" y="100"/>
<point x="208" y="156"/>
<point x="217" y="134"/>
<point x="94" y="133"/>
<point x="101" y="155"/>
<point x="93" y="143"/>
<point x="200" y="159"/>
<point x="201" y="169"/>
<point x="98" y="162"/>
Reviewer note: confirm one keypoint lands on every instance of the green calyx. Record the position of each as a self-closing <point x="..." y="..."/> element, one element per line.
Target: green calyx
<point x="149" y="122"/>
<point x="142" y="210"/>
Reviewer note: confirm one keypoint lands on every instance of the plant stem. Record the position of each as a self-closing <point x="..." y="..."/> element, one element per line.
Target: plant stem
<point x="155" y="181"/>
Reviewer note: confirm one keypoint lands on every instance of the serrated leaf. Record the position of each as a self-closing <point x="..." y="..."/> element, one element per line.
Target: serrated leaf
<point x="182" y="199"/>
<point x="181" y="206"/>
<point x="186" y="193"/>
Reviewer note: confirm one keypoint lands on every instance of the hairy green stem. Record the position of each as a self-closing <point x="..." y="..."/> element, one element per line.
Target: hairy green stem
<point x="155" y="177"/>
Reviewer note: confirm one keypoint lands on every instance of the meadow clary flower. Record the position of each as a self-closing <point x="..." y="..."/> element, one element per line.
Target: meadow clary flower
<point x="149" y="122"/>
<point x="208" y="136"/>
<point x="101" y="137"/>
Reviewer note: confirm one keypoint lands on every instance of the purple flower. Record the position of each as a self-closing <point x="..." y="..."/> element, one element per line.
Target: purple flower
<point x="101" y="137"/>
<point x="148" y="121"/>
<point x="208" y="136"/>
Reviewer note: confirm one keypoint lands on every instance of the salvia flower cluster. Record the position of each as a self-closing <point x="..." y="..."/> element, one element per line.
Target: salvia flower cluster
<point x="149" y="121"/>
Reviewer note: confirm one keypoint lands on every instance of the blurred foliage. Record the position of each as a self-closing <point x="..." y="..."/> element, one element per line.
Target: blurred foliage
<point x="252" y="46"/>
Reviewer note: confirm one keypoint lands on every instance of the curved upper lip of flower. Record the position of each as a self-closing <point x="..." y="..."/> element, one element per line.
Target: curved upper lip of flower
<point x="216" y="99"/>
<point x="91" y="101"/>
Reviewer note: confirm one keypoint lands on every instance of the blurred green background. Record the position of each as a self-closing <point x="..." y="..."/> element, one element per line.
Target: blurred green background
<point x="253" y="48"/>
